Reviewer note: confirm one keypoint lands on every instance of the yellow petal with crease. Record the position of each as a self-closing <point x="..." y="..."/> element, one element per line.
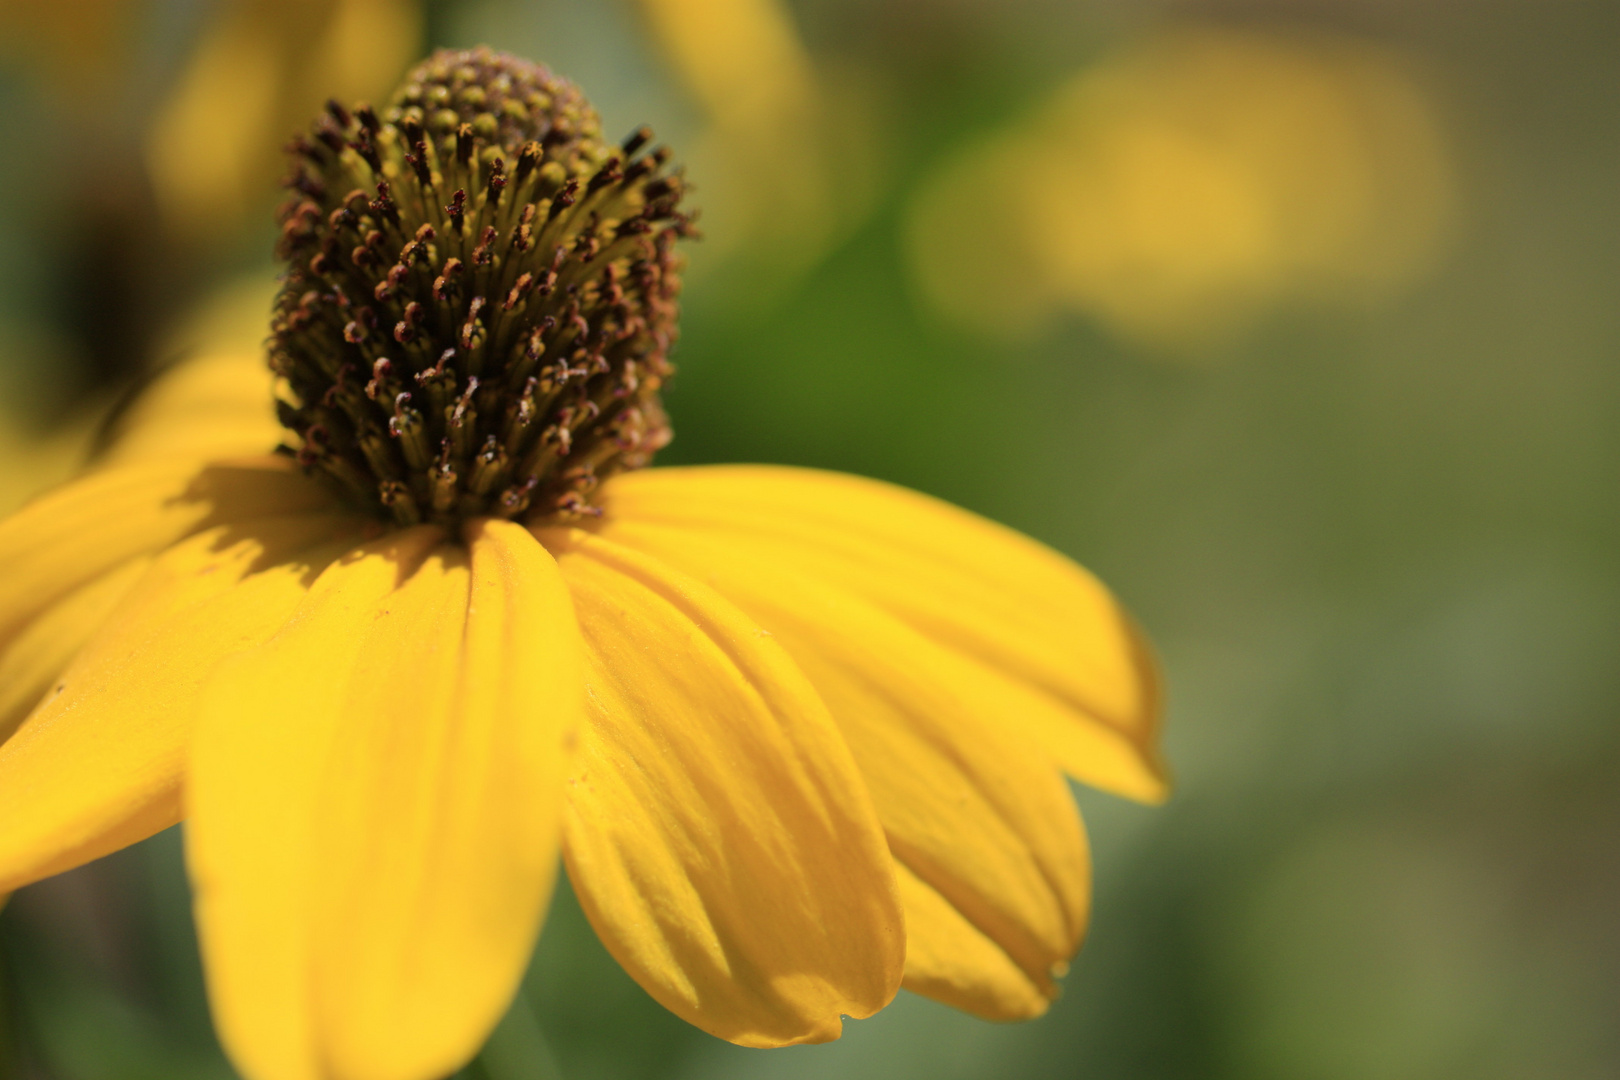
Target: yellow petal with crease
<point x="950" y="960"/>
<point x="971" y="808"/>
<point x="98" y="764"/>
<point x="718" y="833"/>
<point x="80" y="531"/>
<point x="38" y="653"/>
<point x="442" y="809"/>
<point x="266" y="727"/>
<point x="965" y="582"/>
<point x="415" y="772"/>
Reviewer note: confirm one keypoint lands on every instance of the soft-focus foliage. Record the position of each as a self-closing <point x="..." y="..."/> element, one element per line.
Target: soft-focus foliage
<point x="77" y="50"/>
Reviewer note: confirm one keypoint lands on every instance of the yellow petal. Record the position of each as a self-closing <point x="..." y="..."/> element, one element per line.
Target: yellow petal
<point x="213" y="406"/>
<point x="250" y="797"/>
<point x="38" y="461"/>
<point x="964" y="582"/>
<point x="375" y="809"/>
<point x="38" y="653"/>
<point x="440" y="820"/>
<point x="950" y="960"/>
<point x="79" y="532"/>
<point x="98" y="764"/>
<point x="970" y="806"/>
<point x="718" y="834"/>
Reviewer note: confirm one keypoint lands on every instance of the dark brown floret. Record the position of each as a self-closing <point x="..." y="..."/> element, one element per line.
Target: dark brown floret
<point x="481" y="295"/>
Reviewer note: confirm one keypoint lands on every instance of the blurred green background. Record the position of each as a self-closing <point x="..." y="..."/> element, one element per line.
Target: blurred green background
<point x="1298" y="322"/>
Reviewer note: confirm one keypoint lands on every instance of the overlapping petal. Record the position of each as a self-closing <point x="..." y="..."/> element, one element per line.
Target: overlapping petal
<point x="79" y="532"/>
<point x="718" y="833"/>
<point x="983" y="818"/>
<point x="374" y="807"/>
<point x="99" y="763"/>
<point x="968" y="584"/>
<point x="36" y="654"/>
<point x="951" y="960"/>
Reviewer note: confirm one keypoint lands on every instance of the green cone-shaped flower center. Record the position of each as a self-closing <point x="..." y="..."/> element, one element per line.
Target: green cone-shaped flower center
<point x="481" y="295"/>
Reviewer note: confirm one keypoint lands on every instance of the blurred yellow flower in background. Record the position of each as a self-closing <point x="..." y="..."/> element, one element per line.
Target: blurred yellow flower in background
<point x="166" y="121"/>
<point x="261" y="68"/>
<point x="787" y="161"/>
<point x="1189" y="184"/>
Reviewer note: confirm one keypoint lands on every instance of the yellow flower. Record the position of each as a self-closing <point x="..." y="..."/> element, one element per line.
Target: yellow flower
<point x="1190" y="183"/>
<point x="800" y="737"/>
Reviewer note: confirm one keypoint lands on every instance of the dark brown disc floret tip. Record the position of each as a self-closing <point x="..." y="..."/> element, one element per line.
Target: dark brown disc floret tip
<point x="481" y="295"/>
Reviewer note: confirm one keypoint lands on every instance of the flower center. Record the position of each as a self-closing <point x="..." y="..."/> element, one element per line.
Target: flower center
<point x="481" y="295"/>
